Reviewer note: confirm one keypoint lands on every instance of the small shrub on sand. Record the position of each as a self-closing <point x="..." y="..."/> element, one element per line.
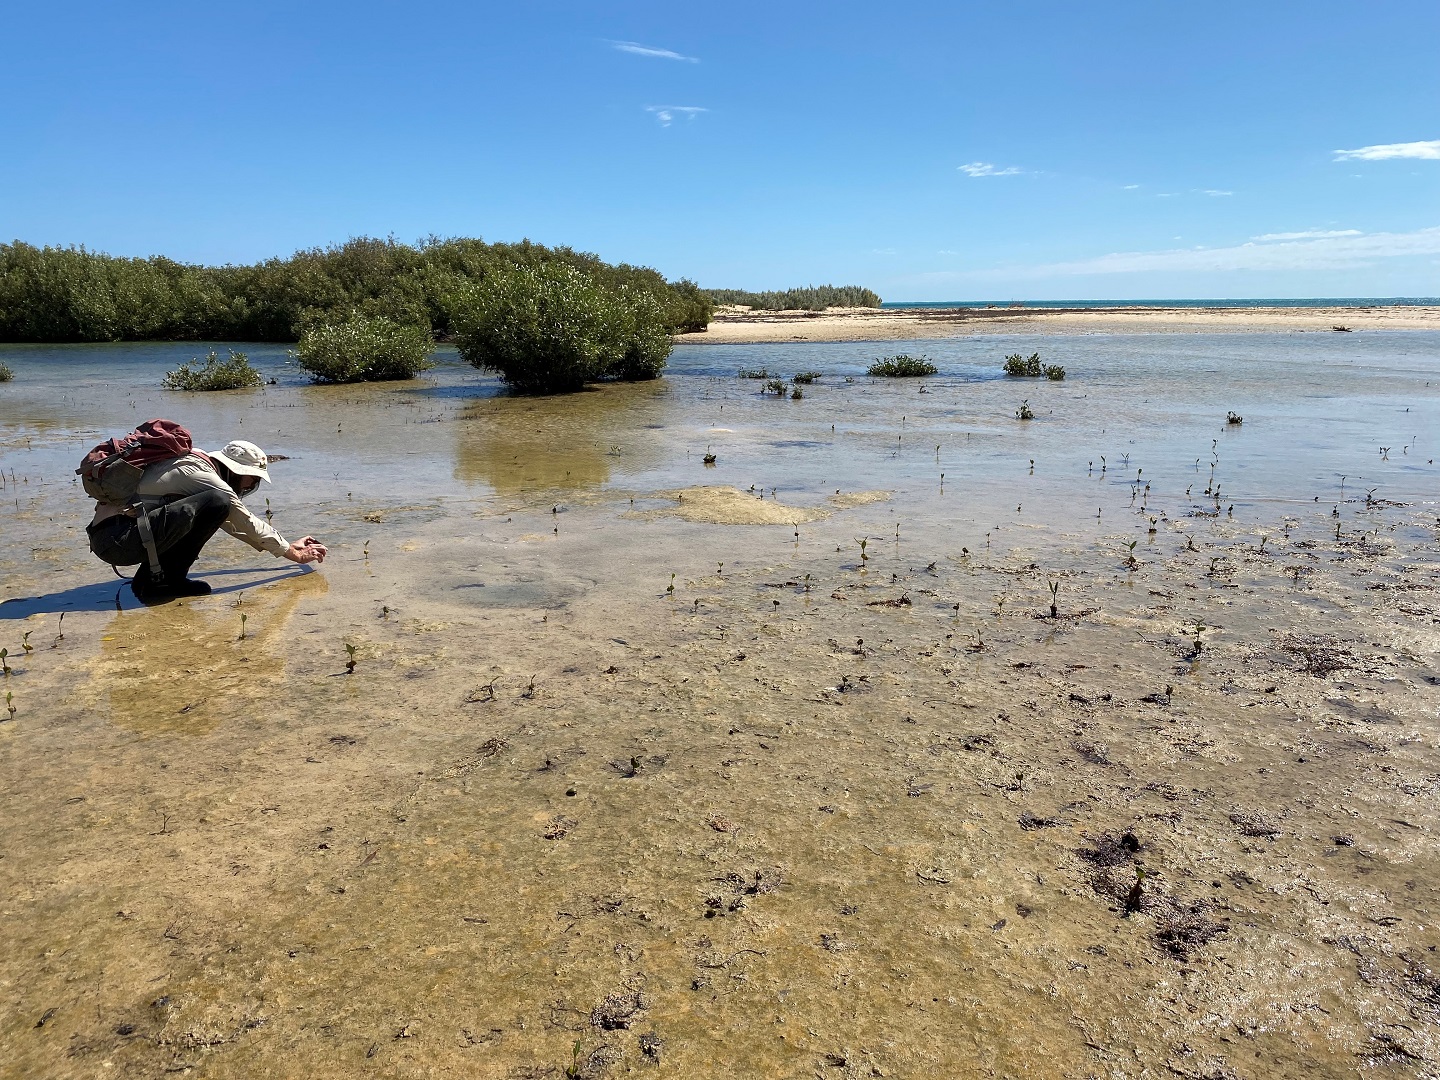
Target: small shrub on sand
<point x="1031" y="367"/>
<point x="550" y="328"/>
<point x="232" y="373"/>
<point x="364" y="349"/>
<point x="901" y="367"/>
<point x="755" y="373"/>
<point x="6" y="374"/>
<point x="805" y="378"/>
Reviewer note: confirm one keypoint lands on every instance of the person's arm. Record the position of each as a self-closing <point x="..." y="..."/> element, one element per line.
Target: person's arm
<point x="189" y="476"/>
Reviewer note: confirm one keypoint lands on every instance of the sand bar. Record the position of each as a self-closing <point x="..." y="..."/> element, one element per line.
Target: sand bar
<point x="738" y="325"/>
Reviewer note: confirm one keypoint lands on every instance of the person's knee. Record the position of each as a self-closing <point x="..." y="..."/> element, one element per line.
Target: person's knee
<point x="214" y="506"/>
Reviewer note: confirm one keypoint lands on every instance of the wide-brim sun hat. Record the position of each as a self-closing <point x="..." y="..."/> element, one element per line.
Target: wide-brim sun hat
<point x="244" y="458"/>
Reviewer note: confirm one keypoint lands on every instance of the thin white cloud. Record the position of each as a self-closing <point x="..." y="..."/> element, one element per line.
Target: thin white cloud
<point x="1308" y="234"/>
<point x="1130" y="187"/>
<point x="1318" y="253"/>
<point x="984" y="168"/>
<point x="1214" y="194"/>
<point x="666" y="113"/>
<point x="1429" y="151"/>
<point x="636" y="49"/>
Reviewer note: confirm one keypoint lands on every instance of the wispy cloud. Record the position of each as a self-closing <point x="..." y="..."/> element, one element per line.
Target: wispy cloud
<point x="666" y="113"/>
<point x="1429" y="151"/>
<point x="1214" y="194"/>
<point x="984" y="168"/>
<point x="1308" y="234"/>
<point x="1346" y="250"/>
<point x="636" y="49"/>
<point x="1130" y="187"/>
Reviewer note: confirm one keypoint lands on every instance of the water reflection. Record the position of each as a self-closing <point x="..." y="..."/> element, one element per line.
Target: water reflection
<point x="182" y="668"/>
<point x="565" y="442"/>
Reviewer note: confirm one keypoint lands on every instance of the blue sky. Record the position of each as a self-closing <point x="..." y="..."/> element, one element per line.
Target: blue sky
<point x="1028" y="150"/>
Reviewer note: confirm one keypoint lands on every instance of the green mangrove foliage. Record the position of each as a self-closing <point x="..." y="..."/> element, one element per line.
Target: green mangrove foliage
<point x="6" y="374"/>
<point x="72" y="294"/>
<point x="551" y="328"/>
<point x="364" y="348"/>
<point x="901" y="367"/>
<point x="232" y="373"/>
<point x="1032" y="367"/>
<point x="810" y="298"/>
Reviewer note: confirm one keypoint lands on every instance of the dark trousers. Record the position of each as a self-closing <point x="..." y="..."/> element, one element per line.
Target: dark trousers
<point x="181" y="528"/>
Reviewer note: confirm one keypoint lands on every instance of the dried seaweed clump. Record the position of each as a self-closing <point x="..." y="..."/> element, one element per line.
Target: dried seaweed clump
<point x="618" y="1010"/>
<point x="1255" y="824"/>
<point x="1316" y="654"/>
<point x="1187" y="929"/>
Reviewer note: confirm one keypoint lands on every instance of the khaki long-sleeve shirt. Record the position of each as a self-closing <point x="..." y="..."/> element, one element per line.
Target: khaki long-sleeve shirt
<point x="190" y="475"/>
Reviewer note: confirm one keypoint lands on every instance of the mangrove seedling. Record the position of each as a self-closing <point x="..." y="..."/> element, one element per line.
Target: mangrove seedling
<point x="365" y="551"/>
<point x="709" y="458"/>
<point x="863" y="541"/>
<point x="807" y="582"/>
<point x="1130" y="560"/>
<point x="1151" y="530"/>
<point x="243" y="617"/>
<point x="59" y="637"/>
<point x="4" y="667"/>
<point x="719" y="569"/>
<point x="1234" y="418"/>
<point x="1054" y="598"/>
<point x="10" y="702"/>
<point x="1199" y="629"/>
<point x="1134" y="897"/>
<point x="670" y="589"/>
<point x="1000" y="605"/>
<point x="1262" y="544"/>
<point x="979" y="643"/>
<point x="572" y="1071"/>
<point x="25" y="642"/>
<point x="350" y="663"/>
<point x="1024" y="413"/>
<point x="1214" y="562"/>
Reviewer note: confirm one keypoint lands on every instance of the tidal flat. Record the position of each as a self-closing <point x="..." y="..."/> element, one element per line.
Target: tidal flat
<point x="906" y="738"/>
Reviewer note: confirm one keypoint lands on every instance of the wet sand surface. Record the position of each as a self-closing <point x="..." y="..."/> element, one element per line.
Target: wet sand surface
<point x="741" y="325"/>
<point x="784" y="766"/>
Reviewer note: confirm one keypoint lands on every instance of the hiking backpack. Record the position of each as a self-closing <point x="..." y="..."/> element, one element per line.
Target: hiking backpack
<point x="111" y="472"/>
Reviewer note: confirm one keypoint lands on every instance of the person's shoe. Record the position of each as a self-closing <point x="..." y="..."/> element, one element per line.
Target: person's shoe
<point x="148" y="590"/>
<point x="189" y="587"/>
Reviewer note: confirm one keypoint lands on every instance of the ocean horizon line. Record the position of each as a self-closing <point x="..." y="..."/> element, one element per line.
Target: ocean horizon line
<point x="1304" y="302"/>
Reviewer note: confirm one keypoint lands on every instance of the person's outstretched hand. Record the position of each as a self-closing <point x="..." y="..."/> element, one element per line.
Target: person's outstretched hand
<point x="306" y="550"/>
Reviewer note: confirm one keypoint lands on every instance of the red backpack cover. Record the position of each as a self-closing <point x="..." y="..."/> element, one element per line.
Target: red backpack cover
<point x="110" y="473"/>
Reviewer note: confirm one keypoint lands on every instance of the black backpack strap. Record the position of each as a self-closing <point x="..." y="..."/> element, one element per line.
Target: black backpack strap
<point x="147" y="537"/>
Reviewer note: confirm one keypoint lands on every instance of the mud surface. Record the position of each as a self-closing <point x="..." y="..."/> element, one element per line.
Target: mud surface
<point x="809" y="807"/>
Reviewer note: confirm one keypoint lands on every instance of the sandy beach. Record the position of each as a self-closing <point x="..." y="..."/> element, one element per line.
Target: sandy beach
<point x="736" y="325"/>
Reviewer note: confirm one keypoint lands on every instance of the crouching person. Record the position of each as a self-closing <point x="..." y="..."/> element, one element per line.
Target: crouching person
<point x="179" y="504"/>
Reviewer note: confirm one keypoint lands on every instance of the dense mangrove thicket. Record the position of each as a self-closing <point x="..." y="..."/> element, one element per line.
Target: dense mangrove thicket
<point x="551" y="328"/>
<point x="810" y="298"/>
<point x="71" y="294"/>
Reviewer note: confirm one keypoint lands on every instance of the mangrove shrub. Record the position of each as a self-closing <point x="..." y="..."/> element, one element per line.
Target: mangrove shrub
<point x="551" y="328"/>
<point x="232" y="373"/>
<point x="6" y="374"/>
<point x="901" y="367"/>
<point x="364" y="348"/>
<point x="72" y="294"/>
